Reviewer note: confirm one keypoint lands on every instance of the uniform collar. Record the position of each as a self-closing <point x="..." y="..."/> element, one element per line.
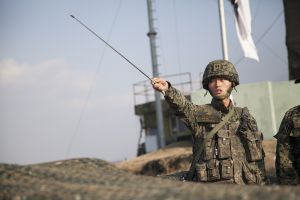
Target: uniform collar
<point x="218" y="105"/>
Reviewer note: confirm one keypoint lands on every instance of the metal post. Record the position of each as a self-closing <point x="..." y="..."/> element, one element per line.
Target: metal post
<point x="223" y="29"/>
<point x="224" y="36"/>
<point x="159" y="115"/>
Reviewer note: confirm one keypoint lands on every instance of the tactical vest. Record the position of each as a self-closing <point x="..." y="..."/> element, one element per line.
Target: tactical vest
<point x="295" y="134"/>
<point x="231" y="153"/>
<point x="288" y="148"/>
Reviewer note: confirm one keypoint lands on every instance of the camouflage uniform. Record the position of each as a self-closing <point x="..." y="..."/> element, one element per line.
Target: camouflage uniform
<point x="235" y="153"/>
<point x="288" y="148"/>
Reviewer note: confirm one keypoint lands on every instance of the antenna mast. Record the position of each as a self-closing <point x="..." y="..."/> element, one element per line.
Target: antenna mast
<point x="159" y="115"/>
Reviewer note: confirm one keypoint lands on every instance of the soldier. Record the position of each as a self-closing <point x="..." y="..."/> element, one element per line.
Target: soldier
<point x="227" y="146"/>
<point x="288" y="147"/>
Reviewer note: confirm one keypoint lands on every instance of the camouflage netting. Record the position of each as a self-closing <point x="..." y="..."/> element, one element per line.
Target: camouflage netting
<point x="90" y="179"/>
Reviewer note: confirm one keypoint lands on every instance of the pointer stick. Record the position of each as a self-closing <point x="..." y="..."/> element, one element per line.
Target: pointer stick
<point x="113" y="49"/>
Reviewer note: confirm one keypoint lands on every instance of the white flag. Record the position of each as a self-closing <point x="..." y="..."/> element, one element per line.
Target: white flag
<point x="243" y="27"/>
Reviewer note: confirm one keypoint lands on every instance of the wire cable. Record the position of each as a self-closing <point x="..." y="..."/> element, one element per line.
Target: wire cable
<point x="263" y="35"/>
<point x="256" y="12"/>
<point x="92" y="83"/>
<point x="177" y="36"/>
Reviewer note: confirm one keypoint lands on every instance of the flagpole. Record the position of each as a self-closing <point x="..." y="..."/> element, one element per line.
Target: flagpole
<point x="223" y="30"/>
<point x="224" y="36"/>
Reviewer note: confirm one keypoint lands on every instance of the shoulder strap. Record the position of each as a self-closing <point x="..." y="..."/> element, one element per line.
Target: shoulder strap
<point x="222" y="123"/>
<point x="209" y="136"/>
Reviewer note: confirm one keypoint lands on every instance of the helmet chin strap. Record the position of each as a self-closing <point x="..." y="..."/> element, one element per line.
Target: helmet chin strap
<point x="232" y="100"/>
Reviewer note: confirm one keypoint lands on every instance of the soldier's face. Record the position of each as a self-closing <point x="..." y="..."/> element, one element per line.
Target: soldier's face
<point x="220" y="88"/>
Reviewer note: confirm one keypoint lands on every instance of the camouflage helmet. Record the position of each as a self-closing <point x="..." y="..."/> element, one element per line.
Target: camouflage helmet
<point x="220" y="68"/>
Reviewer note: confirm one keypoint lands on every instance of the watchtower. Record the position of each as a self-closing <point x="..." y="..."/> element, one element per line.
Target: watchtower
<point x="144" y="107"/>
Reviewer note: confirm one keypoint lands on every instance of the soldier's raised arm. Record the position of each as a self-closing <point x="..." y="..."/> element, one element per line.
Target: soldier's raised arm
<point x="160" y="84"/>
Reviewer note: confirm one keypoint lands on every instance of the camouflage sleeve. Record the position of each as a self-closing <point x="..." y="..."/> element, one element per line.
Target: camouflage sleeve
<point x="184" y="108"/>
<point x="252" y="139"/>
<point x="285" y="171"/>
<point x="247" y="121"/>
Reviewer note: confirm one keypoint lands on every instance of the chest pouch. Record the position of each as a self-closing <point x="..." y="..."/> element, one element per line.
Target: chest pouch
<point x="209" y="149"/>
<point x="213" y="172"/>
<point x="224" y="144"/>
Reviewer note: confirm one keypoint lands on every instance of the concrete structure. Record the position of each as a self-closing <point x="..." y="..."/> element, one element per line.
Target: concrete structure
<point x="267" y="102"/>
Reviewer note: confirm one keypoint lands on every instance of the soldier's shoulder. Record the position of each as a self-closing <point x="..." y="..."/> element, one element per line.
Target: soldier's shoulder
<point x="207" y="114"/>
<point x="292" y="113"/>
<point x="205" y="108"/>
<point x="243" y="111"/>
<point x="239" y="109"/>
<point x="290" y="121"/>
<point x="295" y="111"/>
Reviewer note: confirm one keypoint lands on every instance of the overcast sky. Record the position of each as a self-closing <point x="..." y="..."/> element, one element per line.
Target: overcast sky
<point x="64" y="94"/>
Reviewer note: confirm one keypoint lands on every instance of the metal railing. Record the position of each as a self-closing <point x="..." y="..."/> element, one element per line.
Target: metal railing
<point x="144" y="93"/>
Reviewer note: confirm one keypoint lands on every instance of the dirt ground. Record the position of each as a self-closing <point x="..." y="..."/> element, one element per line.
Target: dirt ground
<point x="177" y="157"/>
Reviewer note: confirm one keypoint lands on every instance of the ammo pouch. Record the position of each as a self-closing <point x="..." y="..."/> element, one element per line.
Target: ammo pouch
<point x="253" y="145"/>
<point x="213" y="172"/>
<point x="209" y="149"/>
<point x="226" y="169"/>
<point x="223" y="144"/>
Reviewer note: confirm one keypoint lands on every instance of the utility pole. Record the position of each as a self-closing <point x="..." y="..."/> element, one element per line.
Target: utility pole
<point x="159" y="114"/>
